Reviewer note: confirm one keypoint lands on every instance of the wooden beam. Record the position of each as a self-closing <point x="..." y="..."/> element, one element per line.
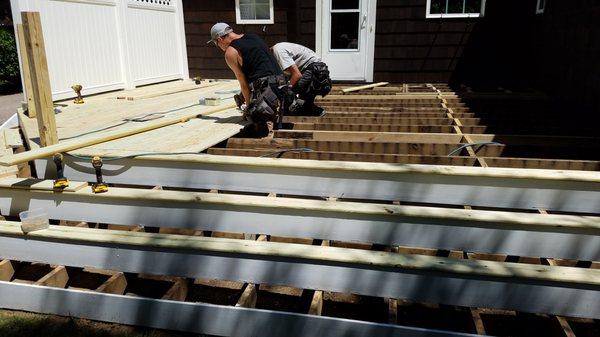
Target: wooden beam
<point x="393" y="148"/>
<point x="40" y="79"/>
<point x="369" y="259"/>
<point x="374" y="128"/>
<point x="452" y="281"/>
<point x="362" y="87"/>
<point x="407" y="118"/>
<point x="316" y="304"/>
<point x="6" y="270"/>
<point x="249" y="296"/>
<point x="58" y="278"/>
<point x="201" y="318"/>
<point x="116" y="284"/>
<point x="31" y="107"/>
<point x="178" y="291"/>
<point x="347" y="156"/>
<point x="108" y="136"/>
<point x="370" y="136"/>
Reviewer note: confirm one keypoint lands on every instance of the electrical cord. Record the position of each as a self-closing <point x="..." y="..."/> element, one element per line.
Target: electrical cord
<point x="281" y="152"/>
<point x="464" y="146"/>
<point x="110" y="158"/>
<point x="136" y="119"/>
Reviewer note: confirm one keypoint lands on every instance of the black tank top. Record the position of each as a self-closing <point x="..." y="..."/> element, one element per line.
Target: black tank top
<point x="257" y="61"/>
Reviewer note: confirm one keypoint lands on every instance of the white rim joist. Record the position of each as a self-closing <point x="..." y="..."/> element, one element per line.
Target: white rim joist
<point x="565" y="291"/>
<point x="522" y="234"/>
<point x="200" y="318"/>
<point x="569" y="191"/>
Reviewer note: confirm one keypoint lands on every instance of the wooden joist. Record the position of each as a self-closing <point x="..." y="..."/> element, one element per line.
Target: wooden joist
<point x="370" y="136"/>
<point x="574" y="191"/>
<point x="363" y="87"/>
<point x="6" y="270"/>
<point x="346" y="156"/>
<point x="472" y="230"/>
<point x="58" y="278"/>
<point x="476" y="283"/>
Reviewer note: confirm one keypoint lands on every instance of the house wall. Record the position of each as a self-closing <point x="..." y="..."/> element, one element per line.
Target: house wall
<point x="511" y="46"/>
<point x="294" y="22"/>
<point x="566" y="42"/>
<point x="408" y="47"/>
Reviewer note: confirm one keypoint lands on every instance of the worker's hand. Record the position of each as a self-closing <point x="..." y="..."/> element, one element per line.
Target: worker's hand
<point x="243" y="107"/>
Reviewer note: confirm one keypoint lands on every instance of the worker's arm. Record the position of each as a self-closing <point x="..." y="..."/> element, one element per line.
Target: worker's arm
<point x="232" y="57"/>
<point x="295" y="74"/>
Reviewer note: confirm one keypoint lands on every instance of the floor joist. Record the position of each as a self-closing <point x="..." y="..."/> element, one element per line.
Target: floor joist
<point x="570" y="191"/>
<point x="567" y="291"/>
<point x="194" y="317"/>
<point x="556" y="236"/>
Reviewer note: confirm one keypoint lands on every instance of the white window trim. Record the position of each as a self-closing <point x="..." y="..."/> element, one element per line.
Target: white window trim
<point x="539" y="10"/>
<point x="428" y="15"/>
<point x="240" y="21"/>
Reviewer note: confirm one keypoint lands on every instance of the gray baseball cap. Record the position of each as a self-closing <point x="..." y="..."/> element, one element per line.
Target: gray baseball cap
<point x="219" y="29"/>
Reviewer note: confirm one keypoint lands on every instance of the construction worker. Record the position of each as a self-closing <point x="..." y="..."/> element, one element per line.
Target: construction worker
<point x="309" y="76"/>
<point x="261" y="80"/>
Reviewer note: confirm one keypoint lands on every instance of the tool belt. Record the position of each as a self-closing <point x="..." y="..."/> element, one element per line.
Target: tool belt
<point x="315" y="80"/>
<point x="273" y="80"/>
<point x="267" y="99"/>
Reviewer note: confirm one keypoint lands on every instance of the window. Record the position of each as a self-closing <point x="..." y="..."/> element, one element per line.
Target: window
<point x="455" y="8"/>
<point x="345" y="24"/>
<point x="541" y="5"/>
<point x="254" y="11"/>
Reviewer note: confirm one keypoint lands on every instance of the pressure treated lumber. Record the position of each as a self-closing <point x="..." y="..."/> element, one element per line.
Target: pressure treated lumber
<point x="570" y="191"/>
<point x="6" y="270"/>
<point x="198" y="318"/>
<point x="362" y="87"/>
<point x="471" y="230"/>
<point x="555" y="290"/>
<point x="40" y="79"/>
<point x="346" y="156"/>
<point x="370" y="136"/>
<point x="58" y="277"/>
<point x="108" y="136"/>
<point x="510" y="271"/>
<point x="31" y="107"/>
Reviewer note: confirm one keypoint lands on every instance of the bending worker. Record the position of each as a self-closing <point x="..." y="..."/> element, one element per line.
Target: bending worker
<point x="309" y="76"/>
<point x="261" y="80"/>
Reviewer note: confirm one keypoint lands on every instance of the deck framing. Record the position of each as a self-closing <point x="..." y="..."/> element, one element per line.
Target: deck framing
<point x="505" y="188"/>
<point x="524" y="234"/>
<point x="556" y="290"/>
<point x="194" y="317"/>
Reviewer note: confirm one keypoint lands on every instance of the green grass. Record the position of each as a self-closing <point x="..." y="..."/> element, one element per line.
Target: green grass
<point x="20" y="324"/>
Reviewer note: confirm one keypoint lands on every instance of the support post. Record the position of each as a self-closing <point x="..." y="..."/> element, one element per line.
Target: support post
<point x="41" y="94"/>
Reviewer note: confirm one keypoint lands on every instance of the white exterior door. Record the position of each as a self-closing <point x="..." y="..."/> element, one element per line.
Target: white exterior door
<point x="345" y="38"/>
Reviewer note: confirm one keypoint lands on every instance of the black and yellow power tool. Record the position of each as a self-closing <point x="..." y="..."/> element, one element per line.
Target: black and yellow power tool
<point x="61" y="182"/>
<point x="99" y="186"/>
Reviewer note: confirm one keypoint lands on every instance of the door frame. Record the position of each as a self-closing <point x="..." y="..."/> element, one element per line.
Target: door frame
<point x="371" y="30"/>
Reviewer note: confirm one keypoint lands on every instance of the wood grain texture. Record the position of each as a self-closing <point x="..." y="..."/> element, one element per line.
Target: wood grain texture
<point x="40" y="79"/>
<point x="513" y="271"/>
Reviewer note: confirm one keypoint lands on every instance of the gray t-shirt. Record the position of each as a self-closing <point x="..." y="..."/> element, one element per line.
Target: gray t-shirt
<point x="288" y="54"/>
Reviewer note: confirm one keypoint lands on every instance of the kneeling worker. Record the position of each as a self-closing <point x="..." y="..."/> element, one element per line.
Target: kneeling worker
<point x="261" y="80"/>
<point x="309" y="76"/>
